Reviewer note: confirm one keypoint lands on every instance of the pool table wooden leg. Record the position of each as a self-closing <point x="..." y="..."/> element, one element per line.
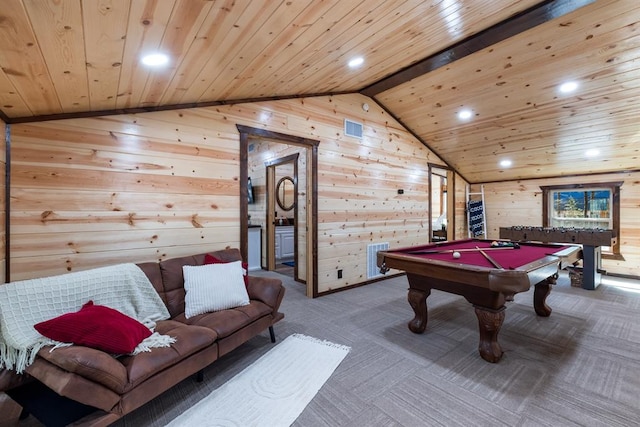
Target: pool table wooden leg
<point x="418" y="301"/>
<point x="489" y="322"/>
<point x="542" y="290"/>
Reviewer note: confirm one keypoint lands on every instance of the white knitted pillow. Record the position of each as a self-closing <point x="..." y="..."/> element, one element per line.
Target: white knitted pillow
<point x="213" y="287"/>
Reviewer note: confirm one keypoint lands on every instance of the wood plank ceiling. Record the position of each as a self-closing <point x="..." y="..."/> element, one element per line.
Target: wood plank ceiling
<point x="61" y="58"/>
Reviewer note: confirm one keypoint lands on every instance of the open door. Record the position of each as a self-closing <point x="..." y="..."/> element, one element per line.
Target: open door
<point x="283" y="201"/>
<point x="441" y="203"/>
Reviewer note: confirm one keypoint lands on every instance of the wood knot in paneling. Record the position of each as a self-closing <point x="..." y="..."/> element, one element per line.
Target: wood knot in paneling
<point x="194" y="221"/>
<point x="44" y="215"/>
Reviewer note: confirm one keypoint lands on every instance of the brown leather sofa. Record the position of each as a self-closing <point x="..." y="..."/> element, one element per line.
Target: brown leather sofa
<point x="105" y="388"/>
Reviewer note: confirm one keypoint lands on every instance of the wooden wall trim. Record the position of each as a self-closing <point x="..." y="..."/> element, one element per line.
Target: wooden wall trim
<point x="314" y="229"/>
<point x="7" y="203"/>
<point x="582" y="185"/>
<point x="244" y="196"/>
<point x="281" y="160"/>
<point x="276" y="135"/>
<point x="136" y="110"/>
<point x="580" y="175"/>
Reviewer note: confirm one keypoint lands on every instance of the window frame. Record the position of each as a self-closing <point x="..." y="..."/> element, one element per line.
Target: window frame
<point x="613" y="187"/>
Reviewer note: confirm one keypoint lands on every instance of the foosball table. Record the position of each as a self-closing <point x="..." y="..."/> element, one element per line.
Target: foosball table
<point x="591" y="240"/>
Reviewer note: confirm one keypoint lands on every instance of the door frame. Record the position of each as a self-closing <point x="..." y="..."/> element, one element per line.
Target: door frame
<point x="451" y="191"/>
<point x="311" y="145"/>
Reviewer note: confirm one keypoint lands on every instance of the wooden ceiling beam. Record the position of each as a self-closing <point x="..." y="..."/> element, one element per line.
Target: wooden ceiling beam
<point x="136" y="110"/>
<point x="530" y="18"/>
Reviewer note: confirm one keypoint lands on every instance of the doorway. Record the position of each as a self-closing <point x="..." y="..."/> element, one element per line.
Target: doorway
<point x="283" y="225"/>
<point x="441" y="203"/>
<point x="307" y="212"/>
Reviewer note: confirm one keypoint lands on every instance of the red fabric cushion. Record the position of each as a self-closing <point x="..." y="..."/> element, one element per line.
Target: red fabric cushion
<point x="98" y="327"/>
<point x="210" y="259"/>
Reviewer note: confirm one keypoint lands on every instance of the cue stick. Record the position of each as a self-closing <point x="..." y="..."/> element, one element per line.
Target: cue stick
<point x="450" y="251"/>
<point x="491" y="260"/>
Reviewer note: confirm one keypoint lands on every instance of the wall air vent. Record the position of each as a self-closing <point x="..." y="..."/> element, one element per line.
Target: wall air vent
<point x="352" y="128"/>
<point x="372" y="258"/>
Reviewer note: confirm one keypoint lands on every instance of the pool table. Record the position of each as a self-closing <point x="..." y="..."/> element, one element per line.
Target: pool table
<point x="485" y="276"/>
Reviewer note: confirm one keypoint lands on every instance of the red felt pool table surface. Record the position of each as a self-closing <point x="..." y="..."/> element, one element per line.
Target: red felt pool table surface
<point x="508" y="258"/>
<point x="486" y="283"/>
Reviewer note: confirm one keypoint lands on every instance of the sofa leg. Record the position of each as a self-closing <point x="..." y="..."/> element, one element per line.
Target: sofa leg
<point x="200" y="376"/>
<point x="273" y="334"/>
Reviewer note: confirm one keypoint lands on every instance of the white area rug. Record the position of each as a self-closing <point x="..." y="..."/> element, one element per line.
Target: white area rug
<point x="274" y="390"/>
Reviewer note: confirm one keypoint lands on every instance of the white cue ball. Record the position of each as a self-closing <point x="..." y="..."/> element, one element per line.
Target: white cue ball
<point x="456" y="255"/>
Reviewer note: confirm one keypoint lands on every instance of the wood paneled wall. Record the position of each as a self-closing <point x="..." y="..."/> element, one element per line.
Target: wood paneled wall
<point x="141" y="187"/>
<point x="3" y="212"/>
<point x="520" y="203"/>
<point x="91" y="192"/>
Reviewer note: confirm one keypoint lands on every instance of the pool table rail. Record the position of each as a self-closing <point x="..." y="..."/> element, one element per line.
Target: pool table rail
<point x="495" y="279"/>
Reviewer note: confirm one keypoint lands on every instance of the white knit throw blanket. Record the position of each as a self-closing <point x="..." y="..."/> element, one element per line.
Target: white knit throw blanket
<point x="123" y="287"/>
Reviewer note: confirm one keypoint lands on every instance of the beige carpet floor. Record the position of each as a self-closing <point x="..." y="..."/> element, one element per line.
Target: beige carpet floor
<point x="578" y="367"/>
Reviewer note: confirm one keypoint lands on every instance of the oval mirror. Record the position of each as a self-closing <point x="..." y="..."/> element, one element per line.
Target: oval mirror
<point x="284" y="193"/>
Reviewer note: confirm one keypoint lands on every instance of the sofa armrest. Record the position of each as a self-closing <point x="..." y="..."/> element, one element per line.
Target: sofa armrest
<point x="9" y="379"/>
<point x="268" y="290"/>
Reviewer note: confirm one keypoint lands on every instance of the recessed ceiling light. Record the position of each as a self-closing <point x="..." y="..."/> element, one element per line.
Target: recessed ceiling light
<point x="568" y="87"/>
<point x="465" y="114"/>
<point x="155" y="60"/>
<point x="506" y="163"/>
<point x="356" y="62"/>
<point x="593" y="152"/>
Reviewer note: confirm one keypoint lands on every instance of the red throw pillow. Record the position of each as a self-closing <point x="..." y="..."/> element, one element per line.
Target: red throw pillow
<point x="96" y="326"/>
<point x="210" y="259"/>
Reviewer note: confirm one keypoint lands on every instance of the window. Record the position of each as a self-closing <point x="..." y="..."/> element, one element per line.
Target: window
<point x="594" y="206"/>
<point x="588" y="208"/>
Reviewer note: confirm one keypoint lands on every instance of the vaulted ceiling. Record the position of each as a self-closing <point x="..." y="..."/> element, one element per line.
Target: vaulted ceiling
<point x="424" y="62"/>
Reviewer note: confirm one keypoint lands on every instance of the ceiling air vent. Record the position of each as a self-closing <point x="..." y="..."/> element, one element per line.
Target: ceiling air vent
<point x="352" y="128"/>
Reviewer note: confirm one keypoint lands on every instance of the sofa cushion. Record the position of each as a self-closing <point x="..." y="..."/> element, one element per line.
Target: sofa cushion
<point x="189" y="340"/>
<point x="173" y="281"/>
<point x="125" y="372"/>
<point x="96" y="326"/>
<point x="213" y="287"/>
<point x="94" y="365"/>
<point x="226" y="322"/>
